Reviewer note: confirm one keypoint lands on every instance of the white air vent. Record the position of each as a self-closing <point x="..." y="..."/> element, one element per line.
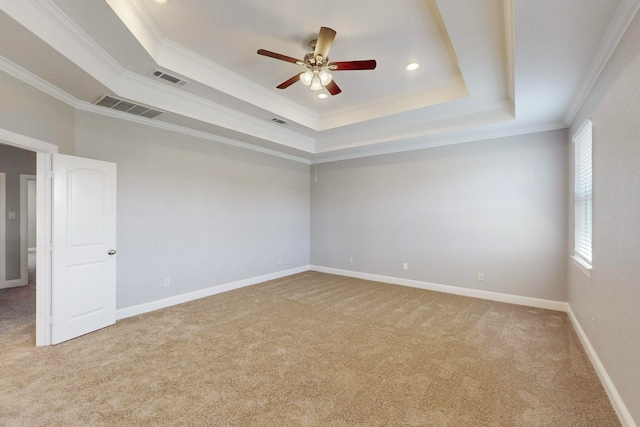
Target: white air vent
<point x="168" y="77"/>
<point x="126" y="106"/>
<point x="279" y="121"/>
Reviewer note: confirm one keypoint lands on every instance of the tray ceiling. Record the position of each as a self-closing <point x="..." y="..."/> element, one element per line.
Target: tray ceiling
<point x="488" y="68"/>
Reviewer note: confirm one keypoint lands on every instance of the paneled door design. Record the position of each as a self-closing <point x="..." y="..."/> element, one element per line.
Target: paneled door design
<point x="84" y="248"/>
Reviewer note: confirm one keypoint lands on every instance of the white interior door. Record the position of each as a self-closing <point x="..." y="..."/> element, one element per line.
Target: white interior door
<point x="84" y="243"/>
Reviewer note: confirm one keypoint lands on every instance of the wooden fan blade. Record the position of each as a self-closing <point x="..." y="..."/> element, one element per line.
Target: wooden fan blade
<point x="289" y="82"/>
<point x="325" y="40"/>
<point x="279" y="56"/>
<point x="333" y="88"/>
<point x="353" y="65"/>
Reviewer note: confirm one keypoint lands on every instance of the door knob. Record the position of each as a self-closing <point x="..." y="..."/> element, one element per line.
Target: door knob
<point x="112" y="252"/>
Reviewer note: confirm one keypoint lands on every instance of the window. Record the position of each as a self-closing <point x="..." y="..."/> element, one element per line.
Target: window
<point x="583" y="198"/>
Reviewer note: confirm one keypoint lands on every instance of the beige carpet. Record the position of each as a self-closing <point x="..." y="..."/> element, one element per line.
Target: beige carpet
<point x="308" y="350"/>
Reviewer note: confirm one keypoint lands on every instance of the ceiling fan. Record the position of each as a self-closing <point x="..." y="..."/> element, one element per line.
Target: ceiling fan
<point x="317" y="64"/>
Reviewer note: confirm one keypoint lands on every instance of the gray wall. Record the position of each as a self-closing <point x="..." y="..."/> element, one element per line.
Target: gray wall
<point x="14" y="161"/>
<point x="612" y="296"/>
<point x="28" y="111"/>
<point x="497" y="207"/>
<point x="196" y="211"/>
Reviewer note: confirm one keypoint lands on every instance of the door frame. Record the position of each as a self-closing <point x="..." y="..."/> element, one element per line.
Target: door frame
<point x="43" y="152"/>
<point x="3" y="229"/>
<point x="24" y="225"/>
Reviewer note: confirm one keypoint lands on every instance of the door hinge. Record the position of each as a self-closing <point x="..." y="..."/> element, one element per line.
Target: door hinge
<point x="50" y="247"/>
<point x="50" y="320"/>
<point x="49" y="174"/>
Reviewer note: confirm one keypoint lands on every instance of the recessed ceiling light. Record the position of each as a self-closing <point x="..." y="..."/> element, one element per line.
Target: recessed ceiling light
<point x="323" y="95"/>
<point x="161" y="1"/>
<point x="413" y="66"/>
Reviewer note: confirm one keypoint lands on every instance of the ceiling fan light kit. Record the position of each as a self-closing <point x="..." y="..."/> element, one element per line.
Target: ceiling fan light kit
<point x="317" y="63"/>
<point x="315" y="77"/>
<point x="316" y="84"/>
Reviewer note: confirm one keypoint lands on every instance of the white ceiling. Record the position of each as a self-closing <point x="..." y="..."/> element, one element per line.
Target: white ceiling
<point x="489" y="67"/>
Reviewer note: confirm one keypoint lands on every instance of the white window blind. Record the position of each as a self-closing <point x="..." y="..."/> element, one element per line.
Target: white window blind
<point x="583" y="194"/>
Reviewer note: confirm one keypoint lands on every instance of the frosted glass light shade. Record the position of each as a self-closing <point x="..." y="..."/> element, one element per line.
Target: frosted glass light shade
<point x="325" y="78"/>
<point x="315" y="83"/>
<point x="306" y="78"/>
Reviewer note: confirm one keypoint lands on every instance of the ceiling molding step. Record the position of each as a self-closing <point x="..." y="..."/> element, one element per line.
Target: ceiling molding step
<point x="158" y="95"/>
<point x="31" y="79"/>
<point x="475" y="115"/>
<point x="146" y="31"/>
<point x="441" y="93"/>
<point x="618" y="26"/>
<point x="439" y="140"/>
<point x="175" y="57"/>
<point x="50" y="24"/>
<point x="44" y="19"/>
<point x="91" y="108"/>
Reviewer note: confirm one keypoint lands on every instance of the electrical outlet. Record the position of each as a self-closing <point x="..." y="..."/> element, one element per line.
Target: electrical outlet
<point x="481" y="276"/>
<point x="593" y="325"/>
<point x="350" y="260"/>
<point x="167" y="282"/>
<point x="405" y="265"/>
<point x="279" y="260"/>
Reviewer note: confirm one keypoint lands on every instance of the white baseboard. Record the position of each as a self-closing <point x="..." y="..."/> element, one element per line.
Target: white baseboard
<point x="616" y="401"/>
<point x="14" y="283"/>
<point x="135" y="310"/>
<point x="467" y="292"/>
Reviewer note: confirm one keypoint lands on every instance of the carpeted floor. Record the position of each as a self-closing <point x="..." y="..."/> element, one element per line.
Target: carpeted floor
<point x="307" y="350"/>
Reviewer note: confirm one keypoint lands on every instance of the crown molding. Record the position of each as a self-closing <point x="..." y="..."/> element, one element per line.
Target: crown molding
<point x="48" y="22"/>
<point x="20" y="73"/>
<point x="440" y="93"/>
<point x="176" y="58"/>
<point x="31" y="79"/>
<point x="618" y="26"/>
<point x="85" y="106"/>
<point x="146" y="31"/>
<point x="345" y="153"/>
<point x="175" y="100"/>
<point x="45" y="20"/>
<point x="438" y="140"/>
<point x="195" y="67"/>
<point x="440" y="122"/>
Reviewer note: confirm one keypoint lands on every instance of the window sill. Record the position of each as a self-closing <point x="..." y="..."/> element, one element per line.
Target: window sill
<point x="582" y="266"/>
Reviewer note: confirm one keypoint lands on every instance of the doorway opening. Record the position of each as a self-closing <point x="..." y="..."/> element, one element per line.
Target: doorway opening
<point x="42" y="254"/>
<point x="18" y="202"/>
